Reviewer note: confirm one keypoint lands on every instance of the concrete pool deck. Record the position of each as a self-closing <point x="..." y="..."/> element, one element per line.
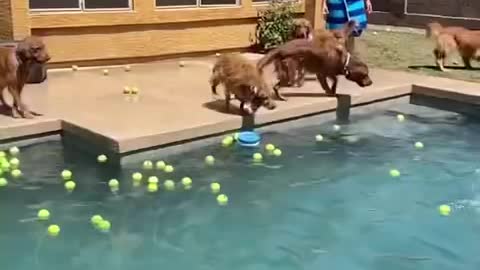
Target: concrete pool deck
<point x="175" y="104"/>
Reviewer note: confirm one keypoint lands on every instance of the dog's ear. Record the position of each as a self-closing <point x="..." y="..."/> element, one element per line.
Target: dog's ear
<point x="23" y="50"/>
<point x="349" y="27"/>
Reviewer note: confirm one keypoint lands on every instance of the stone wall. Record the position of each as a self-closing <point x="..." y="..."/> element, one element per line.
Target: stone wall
<point x="6" y="29"/>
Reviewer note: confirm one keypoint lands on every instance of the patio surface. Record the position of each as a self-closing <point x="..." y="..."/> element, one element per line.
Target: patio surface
<point x="175" y="104"/>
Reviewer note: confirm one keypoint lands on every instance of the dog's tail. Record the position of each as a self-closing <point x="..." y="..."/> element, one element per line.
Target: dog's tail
<point x="433" y="30"/>
<point x="215" y="77"/>
<point x="271" y="56"/>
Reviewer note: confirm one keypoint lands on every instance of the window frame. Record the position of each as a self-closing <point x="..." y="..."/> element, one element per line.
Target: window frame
<point x="198" y="4"/>
<point x="81" y="8"/>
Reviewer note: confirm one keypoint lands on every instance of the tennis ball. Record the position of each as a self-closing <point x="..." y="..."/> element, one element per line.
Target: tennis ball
<point x="134" y="90"/>
<point x="209" y="160"/>
<point x="222" y="199"/>
<point x="137" y="177"/>
<point x="128" y="68"/>
<point x="147" y="165"/>
<point x="102" y="158"/>
<point x="169" y="185"/>
<point x="5" y="165"/>
<point x="319" y="138"/>
<point x="96" y="219"/>
<point x="400" y="117"/>
<point x="70" y="185"/>
<point x="127" y="90"/>
<point x="169" y="169"/>
<point x="181" y="63"/>
<point x="277" y="152"/>
<point x="161" y="165"/>
<point x="227" y="141"/>
<point x="336" y="127"/>
<point x="269" y="147"/>
<point x="186" y="181"/>
<point x="2" y="154"/>
<point x="53" y="230"/>
<point x="43" y="214"/>
<point x="217" y="54"/>
<point x="66" y="175"/>
<point x="14" y="163"/>
<point x="113" y="183"/>
<point x="104" y="225"/>
<point x="152" y="187"/>
<point x="3" y="182"/>
<point x="14" y="151"/>
<point x="153" y="180"/>
<point x="16" y="173"/>
<point x="215" y="187"/>
<point x="236" y="135"/>
<point x="394" y="173"/>
<point x="74" y="68"/>
<point x="257" y="157"/>
<point x="418" y="145"/>
<point x="105" y="72"/>
<point x="444" y="210"/>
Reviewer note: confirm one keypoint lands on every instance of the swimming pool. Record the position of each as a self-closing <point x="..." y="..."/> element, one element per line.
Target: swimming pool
<point x="327" y="205"/>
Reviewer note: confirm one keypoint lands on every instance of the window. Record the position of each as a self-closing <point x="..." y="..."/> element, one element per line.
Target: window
<point x="79" y="4"/>
<point x="195" y="3"/>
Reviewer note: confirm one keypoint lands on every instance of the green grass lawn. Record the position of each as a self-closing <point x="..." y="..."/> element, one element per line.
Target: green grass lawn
<point x="412" y="53"/>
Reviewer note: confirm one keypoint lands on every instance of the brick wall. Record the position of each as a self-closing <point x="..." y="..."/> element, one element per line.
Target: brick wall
<point x="6" y="29"/>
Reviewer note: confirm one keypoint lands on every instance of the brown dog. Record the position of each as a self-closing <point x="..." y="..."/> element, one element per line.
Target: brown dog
<point x="327" y="62"/>
<point x="14" y="67"/>
<point x="241" y="78"/>
<point x="302" y="29"/>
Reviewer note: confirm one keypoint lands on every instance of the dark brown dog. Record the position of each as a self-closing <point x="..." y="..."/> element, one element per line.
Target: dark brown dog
<point x="302" y="29"/>
<point x="241" y="78"/>
<point x="14" y="67"/>
<point x="327" y="62"/>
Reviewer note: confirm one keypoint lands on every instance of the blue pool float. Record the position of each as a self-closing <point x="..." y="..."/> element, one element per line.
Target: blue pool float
<point x="248" y="138"/>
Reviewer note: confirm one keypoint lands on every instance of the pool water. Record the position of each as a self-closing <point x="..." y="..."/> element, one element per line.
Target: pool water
<point x="328" y="205"/>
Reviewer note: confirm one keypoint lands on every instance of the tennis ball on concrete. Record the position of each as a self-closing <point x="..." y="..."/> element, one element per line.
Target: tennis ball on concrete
<point x="186" y="181"/>
<point x="217" y="54"/>
<point x="394" y="173"/>
<point x="270" y="147"/>
<point x="96" y="219"/>
<point x="16" y="173"/>
<point x="128" y="68"/>
<point x="127" y="90"/>
<point x="43" y="214"/>
<point x="66" y="175"/>
<point x="70" y="185"/>
<point x="181" y="63"/>
<point x="257" y="157"/>
<point x="14" y="151"/>
<point x="336" y="127"/>
<point x="104" y="225"/>
<point x="319" y="138"/>
<point x="227" y="141"/>
<point x="53" y="230"/>
<point x="74" y="67"/>
<point x="137" y="177"/>
<point x="134" y="90"/>
<point x="277" y="152"/>
<point x="215" y="187"/>
<point x="169" y="185"/>
<point x="105" y="72"/>
<point x="444" y="210"/>
<point x="161" y="165"/>
<point x="209" y="160"/>
<point x="169" y="169"/>
<point x="147" y="165"/>
<point x="400" y="117"/>
<point x="153" y="180"/>
<point x="113" y="183"/>
<point x="102" y="158"/>
<point x="418" y="145"/>
<point x="152" y="187"/>
<point x="222" y="199"/>
<point x="3" y="182"/>
<point x="14" y="163"/>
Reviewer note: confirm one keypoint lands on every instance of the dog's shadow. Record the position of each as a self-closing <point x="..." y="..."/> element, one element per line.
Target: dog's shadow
<point x="300" y="94"/>
<point x="435" y="68"/>
<point x="219" y="106"/>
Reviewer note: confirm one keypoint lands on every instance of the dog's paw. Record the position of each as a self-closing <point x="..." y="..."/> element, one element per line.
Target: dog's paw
<point x="28" y="115"/>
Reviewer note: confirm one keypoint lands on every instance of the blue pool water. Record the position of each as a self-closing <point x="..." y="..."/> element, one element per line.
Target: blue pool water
<point x="331" y="205"/>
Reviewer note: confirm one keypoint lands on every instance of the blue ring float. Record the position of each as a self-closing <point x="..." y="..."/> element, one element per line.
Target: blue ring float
<point x="248" y="138"/>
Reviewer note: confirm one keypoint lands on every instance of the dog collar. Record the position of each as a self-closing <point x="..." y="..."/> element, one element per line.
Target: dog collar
<point x="347" y="62"/>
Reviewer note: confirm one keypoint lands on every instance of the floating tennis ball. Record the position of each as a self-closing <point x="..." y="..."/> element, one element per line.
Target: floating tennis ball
<point x="102" y="158"/>
<point x="3" y="182"/>
<point x="257" y="157"/>
<point x="104" y="225"/>
<point x="43" y="214"/>
<point x="222" y="199"/>
<point x="444" y="210"/>
<point x="14" y="151"/>
<point x="186" y="181"/>
<point x="227" y="141"/>
<point x="16" y="173"/>
<point x="96" y="219"/>
<point x="270" y="147"/>
<point x="147" y="165"/>
<point x="209" y="160"/>
<point x="277" y="152"/>
<point x="169" y="185"/>
<point x="336" y="127"/>
<point x="168" y="169"/>
<point x="394" y="173"/>
<point x="400" y="117"/>
<point x="128" y="68"/>
<point x="319" y="138"/>
<point x="134" y="90"/>
<point x="153" y="180"/>
<point x="113" y="183"/>
<point x="160" y="165"/>
<point x="74" y="68"/>
<point x="5" y="166"/>
<point x="14" y="163"/>
<point x="53" y="230"/>
<point x="105" y="72"/>
<point x="137" y="177"/>
<point x="70" y="185"/>
<point x="152" y="187"/>
<point x="181" y="63"/>
<point x="66" y="175"/>
<point x="418" y="145"/>
<point x="127" y="90"/>
<point x="215" y="187"/>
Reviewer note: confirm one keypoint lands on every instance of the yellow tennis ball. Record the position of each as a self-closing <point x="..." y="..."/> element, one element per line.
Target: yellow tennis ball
<point x="53" y="230"/>
<point x="5" y="166"/>
<point x="104" y="225"/>
<point x="418" y="145"/>
<point x="102" y="158"/>
<point x="105" y="72"/>
<point x="152" y="187"/>
<point x="169" y="185"/>
<point x="236" y="135"/>
<point x="153" y="180"/>
<point x="215" y="187"/>
<point x="3" y="182"/>
<point x="257" y="157"/>
<point x="181" y="63"/>
<point x="336" y="127"/>
<point x="277" y="152"/>
<point x="16" y="173"/>
<point x="137" y="177"/>
<point x="70" y="185"/>
<point x="222" y="199"/>
<point x="217" y="54"/>
<point x="319" y="138"/>
<point x="66" y="175"/>
<point x="400" y="117"/>
<point x="128" y="68"/>
<point x="134" y="90"/>
<point x="43" y="214"/>
<point x="14" y="163"/>
<point x="270" y="147"/>
<point x="147" y="165"/>
<point x="96" y="219"/>
<point x="209" y="160"/>
<point x="160" y="165"/>
<point x="227" y="141"/>
<point x="74" y="67"/>
<point x="169" y="169"/>
<point x="186" y="181"/>
<point x="127" y="90"/>
<point x="394" y="173"/>
<point x="113" y="183"/>
<point x="444" y="210"/>
<point x="14" y="151"/>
